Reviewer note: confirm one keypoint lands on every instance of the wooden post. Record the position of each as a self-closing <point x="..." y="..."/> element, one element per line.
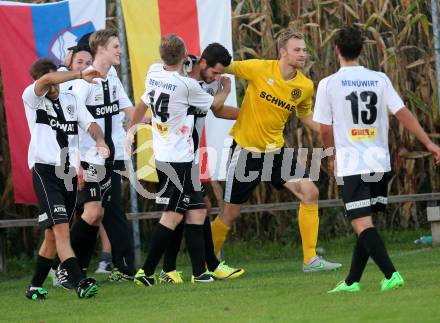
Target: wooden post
<point x="2" y="254"/>
<point x="433" y="213"/>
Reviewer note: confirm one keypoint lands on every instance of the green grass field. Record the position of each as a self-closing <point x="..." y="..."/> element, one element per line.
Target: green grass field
<point x="274" y="289"/>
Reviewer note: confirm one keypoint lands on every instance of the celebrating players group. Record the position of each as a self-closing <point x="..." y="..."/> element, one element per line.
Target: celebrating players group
<point x="79" y="148"/>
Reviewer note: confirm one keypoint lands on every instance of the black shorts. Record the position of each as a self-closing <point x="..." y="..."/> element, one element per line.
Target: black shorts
<point x="196" y="192"/>
<point x="56" y="199"/>
<point x="246" y="169"/>
<point x="365" y="194"/>
<point x="97" y="184"/>
<point x="174" y="186"/>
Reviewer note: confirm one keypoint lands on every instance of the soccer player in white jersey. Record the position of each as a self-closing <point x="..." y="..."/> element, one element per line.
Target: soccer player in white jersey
<point x="352" y="107"/>
<point x="106" y="101"/>
<point x="174" y="100"/>
<point x="207" y="70"/>
<point x="54" y="117"/>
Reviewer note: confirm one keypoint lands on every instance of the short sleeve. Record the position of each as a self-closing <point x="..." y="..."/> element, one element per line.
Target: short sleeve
<point x="392" y="99"/>
<point x="124" y="101"/>
<point x="198" y="97"/>
<point x="304" y="109"/>
<point x="244" y="69"/>
<point x="30" y="98"/>
<point x="323" y="110"/>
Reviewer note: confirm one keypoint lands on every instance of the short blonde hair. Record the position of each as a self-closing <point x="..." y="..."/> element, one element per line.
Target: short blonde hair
<point x="172" y="49"/>
<point x="101" y="38"/>
<point x="287" y="34"/>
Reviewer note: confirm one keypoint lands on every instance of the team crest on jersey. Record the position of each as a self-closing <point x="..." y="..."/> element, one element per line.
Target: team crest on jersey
<point x="296" y="94"/>
<point x="48" y="107"/>
<point x="210" y="91"/>
<point x="114" y="92"/>
<point x="71" y="110"/>
<point x="98" y="93"/>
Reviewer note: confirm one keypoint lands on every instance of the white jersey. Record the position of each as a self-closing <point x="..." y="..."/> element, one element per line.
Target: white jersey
<point x="200" y="117"/>
<point x="356" y="101"/>
<point x="53" y="125"/>
<point x="105" y="102"/>
<point x="174" y="100"/>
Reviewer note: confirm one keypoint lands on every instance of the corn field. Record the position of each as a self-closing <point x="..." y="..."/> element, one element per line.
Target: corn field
<point x="399" y="42"/>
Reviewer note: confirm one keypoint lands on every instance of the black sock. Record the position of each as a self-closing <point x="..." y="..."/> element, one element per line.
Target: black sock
<point x="159" y="242"/>
<point x="73" y="270"/>
<point x="211" y="259"/>
<point x="55" y="263"/>
<point x="375" y="247"/>
<point x="170" y="257"/>
<point x="118" y="231"/>
<point x="41" y="270"/>
<point x="194" y="238"/>
<point x="83" y="240"/>
<point x="105" y="256"/>
<point x="358" y="262"/>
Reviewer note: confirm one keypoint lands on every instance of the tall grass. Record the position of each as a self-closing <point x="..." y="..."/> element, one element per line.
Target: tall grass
<point x="399" y="42"/>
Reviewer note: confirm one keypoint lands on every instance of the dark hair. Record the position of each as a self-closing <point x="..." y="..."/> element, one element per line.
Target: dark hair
<point x="216" y="53"/>
<point x="349" y="41"/>
<point x="172" y="49"/>
<point x="82" y="45"/>
<point x="42" y="66"/>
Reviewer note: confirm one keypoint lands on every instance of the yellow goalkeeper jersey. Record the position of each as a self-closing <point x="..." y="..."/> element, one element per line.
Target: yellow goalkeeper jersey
<point x="268" y="102"/>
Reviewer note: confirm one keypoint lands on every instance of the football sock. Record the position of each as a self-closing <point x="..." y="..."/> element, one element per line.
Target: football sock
<point x="308" y="221"/>
<point x="219" y="233"/>
<point x="41" y="270"/>
<point x="159" y="242"/>
<point x="55" y="263"/>
<point x="73" y="270"/>
<point x="106" y="256"/>
<point x="375" y="247"/>
<point x="211" y="259"/>
<point x="170" y="257"/>
<point x="358" y="262"/>
<point x="83" y="239"/>
<point x="194" y="237"/>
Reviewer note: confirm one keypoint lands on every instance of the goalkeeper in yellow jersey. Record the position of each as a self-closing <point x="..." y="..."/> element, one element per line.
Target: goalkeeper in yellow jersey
<point x="276" y="88"/>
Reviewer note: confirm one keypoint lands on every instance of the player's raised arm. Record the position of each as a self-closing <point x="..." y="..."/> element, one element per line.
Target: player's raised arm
<point x="407" y="119"/>
<point x="43" y="84"/>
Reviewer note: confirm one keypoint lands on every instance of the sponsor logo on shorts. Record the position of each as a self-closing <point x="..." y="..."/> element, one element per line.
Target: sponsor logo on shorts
<point x="162" y="200"/>
<point x="106" y="184"/>
<point x="42" y="217"/>
<point x="186" y="199"/>
<point x="363" y="134"/>
<point x="379" y="199"/>
<point x="59" y="209"/>
<point x="358" y="204"/>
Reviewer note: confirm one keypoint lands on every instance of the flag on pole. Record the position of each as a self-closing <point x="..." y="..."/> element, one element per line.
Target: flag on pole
<point x="29" y="31"/>
<point x="199" y="23"/>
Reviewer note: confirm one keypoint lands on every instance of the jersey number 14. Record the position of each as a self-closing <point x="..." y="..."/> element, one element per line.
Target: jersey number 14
<point x="160" y="107"/>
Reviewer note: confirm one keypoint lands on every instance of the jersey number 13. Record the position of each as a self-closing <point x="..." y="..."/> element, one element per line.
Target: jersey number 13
<point x="368" y="97"/>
